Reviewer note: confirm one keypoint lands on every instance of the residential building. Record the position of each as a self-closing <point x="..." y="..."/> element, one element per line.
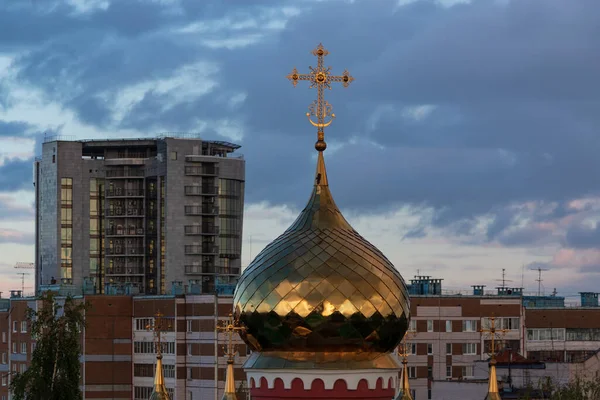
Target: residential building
<point x="120" y="216"/>
<point x="118" y="358"/>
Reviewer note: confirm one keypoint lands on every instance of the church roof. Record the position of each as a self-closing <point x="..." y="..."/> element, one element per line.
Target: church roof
<point x="160" y="391"/>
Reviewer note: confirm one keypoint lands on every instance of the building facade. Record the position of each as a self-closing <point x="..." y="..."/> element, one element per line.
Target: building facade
<point x="135" y="215"/>
<point x="118" y="354"/>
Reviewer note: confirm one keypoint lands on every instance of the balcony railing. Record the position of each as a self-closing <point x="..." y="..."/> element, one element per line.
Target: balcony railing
<point x="122" y="192"/>
<point x="138" y="231"/>
<point x="201" y="190"/>
<point x="135" y="270"/>
<point x="204" y="209"/>
<point x="200" y="269"/>
<point x="129" y="251"/>
<point x="122" y="211"/>
<point x="136" y="173"/>
<point x="199" y="171"/>
<point x="201" y="230"/>
<point x="201" y="249"/>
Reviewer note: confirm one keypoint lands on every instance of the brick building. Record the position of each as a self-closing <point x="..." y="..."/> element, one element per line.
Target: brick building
<point x="118" y="354"/>
<point x="447" y="343"/>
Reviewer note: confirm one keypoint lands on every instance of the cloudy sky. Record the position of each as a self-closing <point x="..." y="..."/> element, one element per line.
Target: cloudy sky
<point x="468" y="142"/>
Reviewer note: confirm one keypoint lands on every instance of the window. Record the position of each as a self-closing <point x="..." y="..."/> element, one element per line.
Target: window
<point x="14" y="367"/>
<point x="546" y="334"/>
<point x="189" y="325"/>
<point x="143" y="324"/>
<point x="429" y="349"/>
<point x="413" y="325"/>
<point x="14" y="347"/>
<point x="467" y="371"/>
<point x="173" y="155"/>
<point x="412" y="349"/>
<point x="4" y="358"/>
<point x="168" y="370"/>
<point x="23" y="348"/>
<point x="508" y="323"/>
<point x="189" y="372"/>
<point x="449" y="371"/>
<point x="189" y="349"/>
<point x="412" y="372"/>
<point x="14" y="326"/>
<point x="429" y="325"/>
<point x="448" y="326"/>
<point x="32" y="347"/>
<point x="470" y="326"/>
<point x="23" y="368"/>
<point x="3" y="337"/>
<point x="469" y="349"/>
<point x="449" y="348"/>
<point x="4" y="380"/>
<point x="23" y="326"/>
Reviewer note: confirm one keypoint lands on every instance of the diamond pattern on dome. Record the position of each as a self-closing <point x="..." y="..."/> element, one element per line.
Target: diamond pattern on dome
<point x="320" y="286"/>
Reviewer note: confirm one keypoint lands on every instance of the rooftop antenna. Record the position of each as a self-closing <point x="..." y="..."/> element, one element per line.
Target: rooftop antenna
<point x="22" y="280"/>
<point x="503" y="280"/>
<point x="539" y="279"/>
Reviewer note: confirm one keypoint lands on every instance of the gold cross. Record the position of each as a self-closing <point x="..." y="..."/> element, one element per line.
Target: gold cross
<point x="230" y="327"/>
<point x="320" y="78"/>
<point x="158" y="326"/>
<point x="492" y="331"/>
<point x="403" y="348"/>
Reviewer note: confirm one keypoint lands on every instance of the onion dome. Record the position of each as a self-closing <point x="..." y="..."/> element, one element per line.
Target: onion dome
<point x="322" y="288"/>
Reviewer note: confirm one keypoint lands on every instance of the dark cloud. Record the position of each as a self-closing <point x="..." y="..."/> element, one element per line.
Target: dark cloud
<point x="12" y="128"/>
<point x="16" y="174"/>
<point x="514" y="87"/>
<point x="583" y="237"/>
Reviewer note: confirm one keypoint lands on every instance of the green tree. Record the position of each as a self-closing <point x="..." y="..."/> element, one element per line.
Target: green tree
<point x="55" y="370"/>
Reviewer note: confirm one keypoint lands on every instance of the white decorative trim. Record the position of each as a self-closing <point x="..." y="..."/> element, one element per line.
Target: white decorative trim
<point x="351" y="377"/>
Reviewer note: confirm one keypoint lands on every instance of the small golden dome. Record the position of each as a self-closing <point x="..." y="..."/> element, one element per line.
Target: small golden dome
<point x="321" y="287"/>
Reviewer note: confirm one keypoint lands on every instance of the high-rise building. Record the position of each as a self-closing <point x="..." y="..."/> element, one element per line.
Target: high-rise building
<point x="137" y="215"/>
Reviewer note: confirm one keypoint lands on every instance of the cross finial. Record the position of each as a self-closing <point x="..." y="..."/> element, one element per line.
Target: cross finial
<point x="492" y="331"/>
<point x="158" y="326"/>
<point x="230" y="327"/>
<point x="321" y="78"/>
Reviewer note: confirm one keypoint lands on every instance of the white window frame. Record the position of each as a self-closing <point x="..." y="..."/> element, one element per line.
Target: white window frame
<point x="14" y="347"/>
<point x="429" y="325"/>
<point x="4" y="358"/>
<point x="469" y="349"/>
<point x="14" y="327"/>
<point x="189" y="326"/>
<point x="3" y="337"/>
<point x="469" y="325"/>
<point x="23" y="326"/>
<point x="448" y="347"/>
<point x="448" y="325"/>
<point x="23" y="347"/>
<point x="429" y="346"/>
<point x="412" y="372"/>
<point x="448" y="371"/>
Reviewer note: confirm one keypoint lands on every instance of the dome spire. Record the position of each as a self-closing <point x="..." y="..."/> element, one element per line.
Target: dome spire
<point x="404" y="390"/>
<point x="493" y="393"/>
<point x="160" y="390"/>
<point x="229" y="328"/>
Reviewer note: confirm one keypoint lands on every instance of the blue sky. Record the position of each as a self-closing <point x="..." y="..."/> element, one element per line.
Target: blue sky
<point x="468" y="142"/>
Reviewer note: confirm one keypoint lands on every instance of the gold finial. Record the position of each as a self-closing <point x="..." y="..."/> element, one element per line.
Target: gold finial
<point x="493" y="393"/>
<point x="158" y="326"/>
<point x="229" y="327"/>
<point x="320" y="77"/>
<point x="404" y="390"/>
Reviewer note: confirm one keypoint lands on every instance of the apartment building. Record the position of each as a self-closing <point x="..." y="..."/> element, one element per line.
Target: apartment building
<point x="445" y="339"/>
<point x="118" y="349"/>
<point x="131" y="216"/>
<point x="564" y="334"/>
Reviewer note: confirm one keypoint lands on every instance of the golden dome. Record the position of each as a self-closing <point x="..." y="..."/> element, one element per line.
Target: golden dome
<point x="321" y="287"/>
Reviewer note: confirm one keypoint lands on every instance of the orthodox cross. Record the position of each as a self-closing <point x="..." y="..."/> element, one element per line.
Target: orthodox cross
<point x="321" y="78"/>
<point x="230" y="327"/>
<point x="492" y="331"/>
<point x="404" y="345"/>
<point x="158" y="326"/>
